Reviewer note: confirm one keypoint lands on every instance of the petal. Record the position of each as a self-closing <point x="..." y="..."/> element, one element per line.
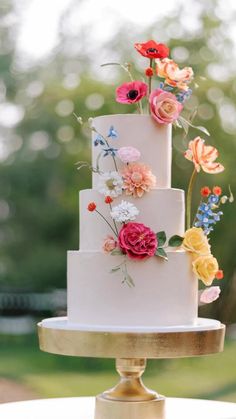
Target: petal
<point x="212" y="168"/>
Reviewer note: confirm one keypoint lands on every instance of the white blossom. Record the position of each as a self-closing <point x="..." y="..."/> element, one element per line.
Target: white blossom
<point x="110" y="184"/>
<point x="124" y="212"/>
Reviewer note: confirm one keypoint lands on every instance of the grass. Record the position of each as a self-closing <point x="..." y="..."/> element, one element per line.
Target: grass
<point x="209" y="377"/>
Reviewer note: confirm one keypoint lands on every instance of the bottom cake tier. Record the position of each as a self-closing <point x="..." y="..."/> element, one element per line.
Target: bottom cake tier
<point x="165" y="292"/>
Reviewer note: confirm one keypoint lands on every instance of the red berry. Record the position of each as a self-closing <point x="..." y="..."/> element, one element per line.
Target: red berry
<point x="217" y="190"/>
<point x="108" y="199"/>
<point x="219" y="274"/>
<point x="149" y="72"/>
<point x="205" y="191"/>
<point x="92" y="206"/>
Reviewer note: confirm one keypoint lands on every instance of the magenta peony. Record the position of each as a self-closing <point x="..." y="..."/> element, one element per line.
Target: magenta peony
<point x="137" y="241"/>
<point x="131" y="92"/>
<point x="164" y="106"/>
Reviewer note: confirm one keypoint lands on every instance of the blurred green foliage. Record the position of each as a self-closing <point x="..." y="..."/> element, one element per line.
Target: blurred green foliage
<point x="38" y="177"/>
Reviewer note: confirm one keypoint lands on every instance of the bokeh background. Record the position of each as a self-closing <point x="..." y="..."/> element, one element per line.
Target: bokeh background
<point x="50" y="66"/>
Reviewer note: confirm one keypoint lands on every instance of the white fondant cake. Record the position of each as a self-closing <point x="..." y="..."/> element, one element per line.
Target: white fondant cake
<point x="165" y="293"/>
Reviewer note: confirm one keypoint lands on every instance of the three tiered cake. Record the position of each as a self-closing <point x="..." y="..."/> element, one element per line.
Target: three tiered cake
<point x="137" y="265"/>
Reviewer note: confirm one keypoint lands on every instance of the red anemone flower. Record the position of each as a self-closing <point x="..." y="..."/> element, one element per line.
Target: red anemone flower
<point x="131" y="92"/>
<point x="152" y="49"/>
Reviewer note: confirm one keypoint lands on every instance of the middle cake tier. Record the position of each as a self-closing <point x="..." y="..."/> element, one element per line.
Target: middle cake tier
<point x="160" y="209"/>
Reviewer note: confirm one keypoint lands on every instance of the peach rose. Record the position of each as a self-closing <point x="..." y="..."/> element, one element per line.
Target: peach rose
<point x="173" y="75"/>
<point x="109" y="244"/>
<point x="205" y="267"/>
<point x="164" y="106"/>
<point x="195" y="241"/>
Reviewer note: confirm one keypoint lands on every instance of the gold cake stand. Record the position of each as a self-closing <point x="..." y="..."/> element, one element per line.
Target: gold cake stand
<point x="129" y="399"/>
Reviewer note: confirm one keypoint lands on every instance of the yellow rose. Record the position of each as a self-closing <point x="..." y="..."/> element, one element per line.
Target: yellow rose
<point x="205" y="267"/>
<point x="195" y="241"/>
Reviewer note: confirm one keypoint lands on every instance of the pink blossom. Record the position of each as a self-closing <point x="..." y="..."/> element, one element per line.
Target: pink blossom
<point x="203" y="156"/>
<point x="164" y="106"/>
<point x="209" y="295"/>
<point x="131" y="92"/>
<point x="137" y="241"/>
<point x="128" y="154"/>
<point x="109" y="244"/>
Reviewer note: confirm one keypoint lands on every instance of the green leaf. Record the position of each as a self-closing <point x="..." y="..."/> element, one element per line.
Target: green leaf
<point x="185" y="124"/>
<point x="161" y="238"/>
<point x="161" y="253"/>
<point x="115" y="269"/>
<point x="115" y="252"/>
<point x="175" y="241"/>
<point x="129" y="280"/>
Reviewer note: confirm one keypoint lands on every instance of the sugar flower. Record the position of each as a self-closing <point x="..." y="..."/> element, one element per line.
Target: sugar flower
<point x="196" y="242"/>
<point x="210" y="294"/>
<point x="205" y="267"/>
<point x="109" y="244"/>
<point x="164" y="106"/>
<point x="203" y="157"/>
<point x="173" y="75"/>
<point x="124" y="212"/>
<point x="152" y="49"/>
<point x="91" y="206"/>
<point x="110" y="183"/>
<point x="137" y="241"/>
<point x="131" y="92"/>
<point x="112" y="132"/>
<point x="128" y="154"/>
<point x="138" y="179"/>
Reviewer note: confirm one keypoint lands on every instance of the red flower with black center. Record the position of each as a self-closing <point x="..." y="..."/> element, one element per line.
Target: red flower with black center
<point x="217" y="190"/>
<point x="108" y="200"/>
<point x="91" y="206"/>
<point x="205" y="191"/>
<point x="152" y="49"/>
<point x="131" y="92"/>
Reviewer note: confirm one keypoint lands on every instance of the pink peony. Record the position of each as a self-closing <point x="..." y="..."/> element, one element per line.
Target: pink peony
<point x="137" y="241"/>
<point x="128" y="154"/>
<point x="131" y="92"/>
<point x="164" y="106"/>
<point x="209" y="295"/>
<point x="109" y="244"/>
<point x="138" y="179"/>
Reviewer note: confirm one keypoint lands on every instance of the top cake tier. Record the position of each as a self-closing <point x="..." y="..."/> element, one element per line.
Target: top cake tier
<point x="142" y="132"/>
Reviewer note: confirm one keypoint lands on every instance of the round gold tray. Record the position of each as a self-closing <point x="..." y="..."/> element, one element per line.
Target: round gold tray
<point x="56" y="338"/>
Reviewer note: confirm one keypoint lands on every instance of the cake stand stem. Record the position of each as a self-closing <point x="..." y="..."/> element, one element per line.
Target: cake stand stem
<point x="130" y="399"/>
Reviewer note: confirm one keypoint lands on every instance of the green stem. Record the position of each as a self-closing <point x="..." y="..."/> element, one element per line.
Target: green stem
<point x="114" y="222"/>
<point x="149" y="86"/>
<point x="189" y="197"/>
<point x="106" y="221"/>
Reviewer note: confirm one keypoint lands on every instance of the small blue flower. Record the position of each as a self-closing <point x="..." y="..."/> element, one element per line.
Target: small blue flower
<point x="213" y="199"/>
<point x="112" y="132"/>
<point x="110" y="151"/>
<point x="161" y="85"/>
<point x="99" y="140"/>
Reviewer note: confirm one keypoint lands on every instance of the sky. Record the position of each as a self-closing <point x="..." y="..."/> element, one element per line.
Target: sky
<point x="39" y="19"/>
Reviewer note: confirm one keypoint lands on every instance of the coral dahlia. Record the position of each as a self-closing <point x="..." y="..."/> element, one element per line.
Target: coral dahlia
<point x="138" y="178"/>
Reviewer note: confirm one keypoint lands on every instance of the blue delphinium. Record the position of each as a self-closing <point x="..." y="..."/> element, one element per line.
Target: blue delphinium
<point x="112" y="132"/>
<point x="110" y="151"/>
<point x="183" y="96"/>
<point x="206" y="217"/>
<point x="99" y="140"/>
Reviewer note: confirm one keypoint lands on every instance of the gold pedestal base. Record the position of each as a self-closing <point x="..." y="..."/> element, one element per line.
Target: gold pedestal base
<point x="110" y="409"/>
<point x="130" y="399"/>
